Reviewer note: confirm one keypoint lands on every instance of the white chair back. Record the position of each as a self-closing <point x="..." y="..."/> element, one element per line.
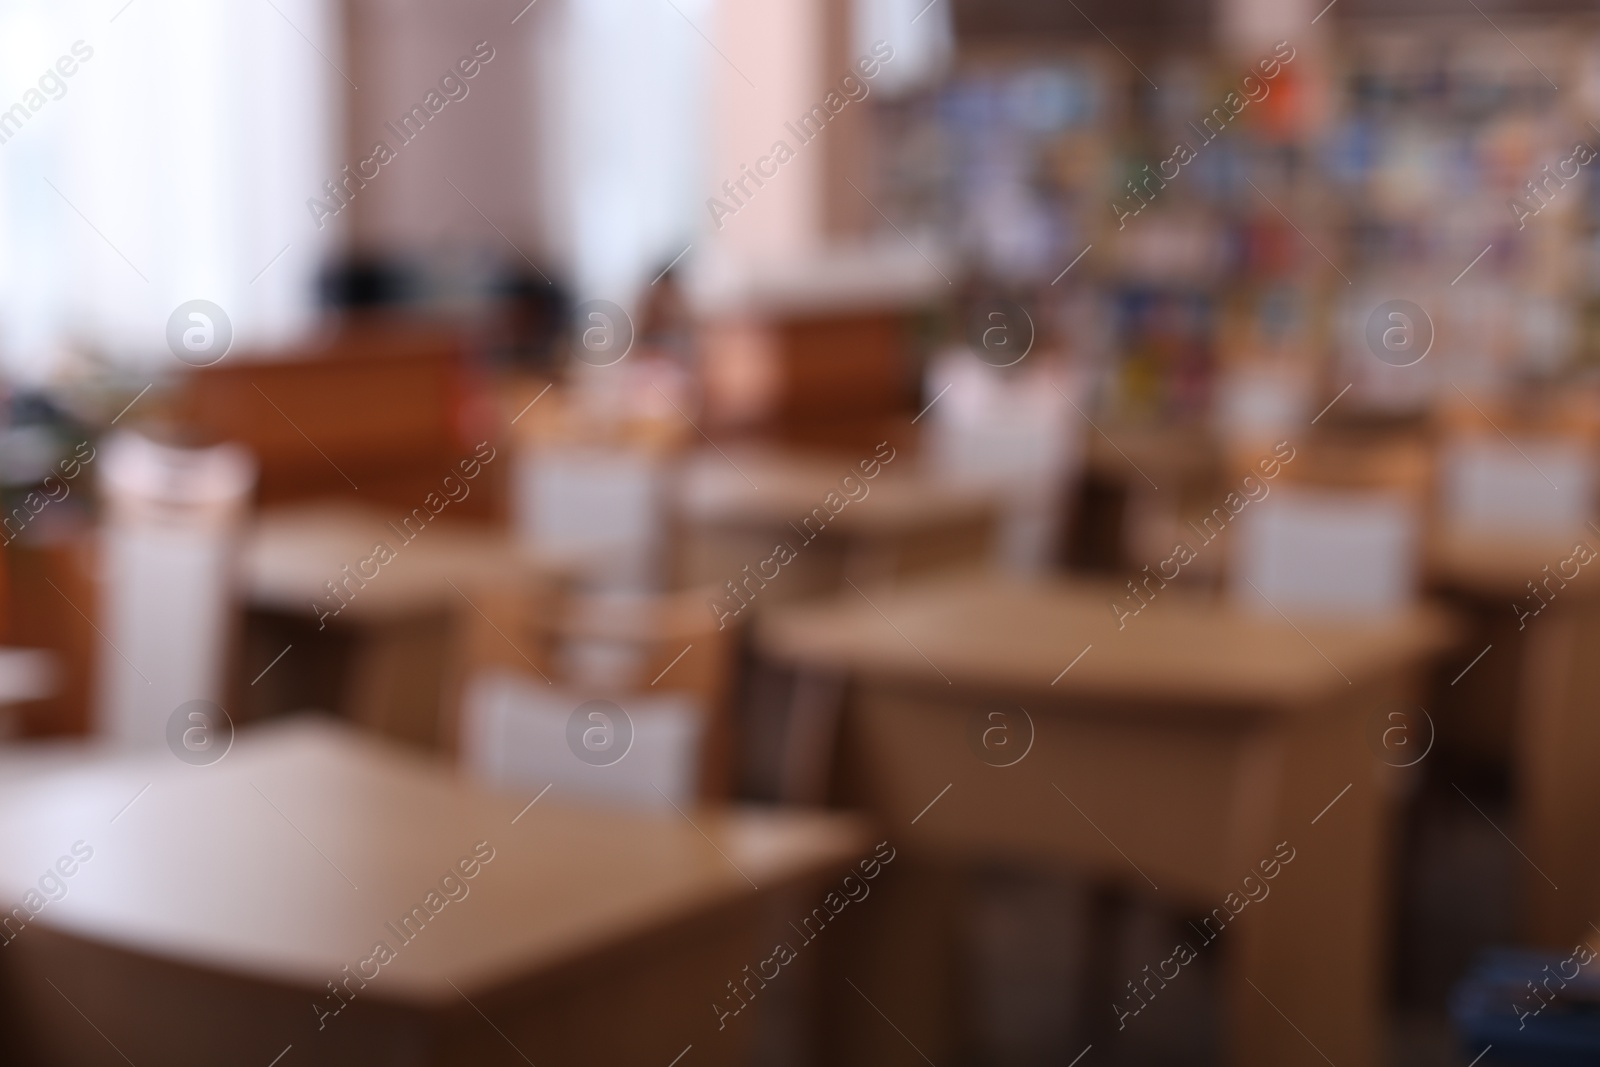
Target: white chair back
<point x="594" y="502"/>
<point x="517" y="732"/>
<point x="170" y="546"/>
<point x="1012" y="432"/>
<point x="1316" y="552"/>
<point x="1490" y="489"/>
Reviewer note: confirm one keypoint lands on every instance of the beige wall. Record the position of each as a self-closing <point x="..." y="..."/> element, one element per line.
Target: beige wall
<point x="793" y="51"/>
<point x="397" y="50"/>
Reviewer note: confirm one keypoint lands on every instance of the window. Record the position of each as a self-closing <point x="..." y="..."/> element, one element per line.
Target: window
<point x="172" y="163"/>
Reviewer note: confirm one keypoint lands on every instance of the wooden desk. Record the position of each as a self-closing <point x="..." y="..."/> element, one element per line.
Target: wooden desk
<point x="218" y="904"/>
<point x="830" y="376"/>
<point x="384" y="660"/>
<point x="1106" y="530"/>
<point x="1196" y="740"/>
<point x="1546" y="671"/>
<point x="379" y="411"/>
<point x="732" y="511"/>
<point x="291" y="551"/>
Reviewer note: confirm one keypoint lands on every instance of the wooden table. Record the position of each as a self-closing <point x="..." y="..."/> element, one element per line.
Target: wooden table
<point x="1544" y="668"/>
<point x="731" y="510"/>
<point x="291" y="551"/>
<point x="384" y="660"/>
<point x="220" y="900"/>
<point x="1176" y="753"/>
<point x="372" y="412"/>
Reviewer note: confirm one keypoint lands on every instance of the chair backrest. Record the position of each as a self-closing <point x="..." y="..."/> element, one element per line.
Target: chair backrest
<point x="1258" y="405"/>
<point x="1327" y="552"/>
<point x="1013" y="431"/>
<point x="603" y="501"/>
<point x="635" y="751"/>
<point x="169" y="554"/>
<point x="533" y="656"/>
<point x="999" y="424"/>
<point x="1515" y="466"/>
<point x="1490" y="487"/>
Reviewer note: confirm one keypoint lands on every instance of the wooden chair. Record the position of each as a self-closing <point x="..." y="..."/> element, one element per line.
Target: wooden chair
<point x="533" y="655"/>
<point x="1514" y="470"/>
<point x="1017" y="434"/>
<point x="1309" y="551"/>
<point x="592" y="482"/>
<point x="1336" y="488"/>
<point x="169" y="600"/>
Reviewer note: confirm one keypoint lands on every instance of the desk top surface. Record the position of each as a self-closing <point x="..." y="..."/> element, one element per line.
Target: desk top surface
<point x="754" y="487"/>
<point x="1502" y="566"/>
<point x="996" y="631"/>
<point x="285" y="860"/>
<point x="289" y="554"/>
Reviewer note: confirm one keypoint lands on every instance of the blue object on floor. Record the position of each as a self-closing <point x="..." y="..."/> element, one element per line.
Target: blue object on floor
<point x="1493" y="1007"/>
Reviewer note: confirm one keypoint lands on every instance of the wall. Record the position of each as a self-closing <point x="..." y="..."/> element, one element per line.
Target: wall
<point x="485" y="143"/>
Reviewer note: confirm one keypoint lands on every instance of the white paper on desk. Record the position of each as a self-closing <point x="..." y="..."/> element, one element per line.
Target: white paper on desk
<point x="514" y="735"/>
<point x="1491" y="488"/>
<point x="1326" y="552"/>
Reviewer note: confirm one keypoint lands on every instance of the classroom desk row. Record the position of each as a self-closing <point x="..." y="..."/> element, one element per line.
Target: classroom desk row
<point x="381" y="651"/>
<point x="1173" y="757"/>
<point x="1179" y="752"/>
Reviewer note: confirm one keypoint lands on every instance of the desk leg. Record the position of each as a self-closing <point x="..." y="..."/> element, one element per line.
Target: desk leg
<point x="1303" y="966"/>
<point x="396" y="680"/>
<point x="816" y="705"/>
<point x="902" y="952"/>
<point x="1557" y="777"/>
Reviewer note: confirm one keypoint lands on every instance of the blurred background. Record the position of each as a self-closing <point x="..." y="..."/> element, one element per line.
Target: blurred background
<point x="876" y="420"/>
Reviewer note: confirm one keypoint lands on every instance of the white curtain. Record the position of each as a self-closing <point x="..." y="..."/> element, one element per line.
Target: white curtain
<point x="181" y="153"/>
<point x="627" y="121"/>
